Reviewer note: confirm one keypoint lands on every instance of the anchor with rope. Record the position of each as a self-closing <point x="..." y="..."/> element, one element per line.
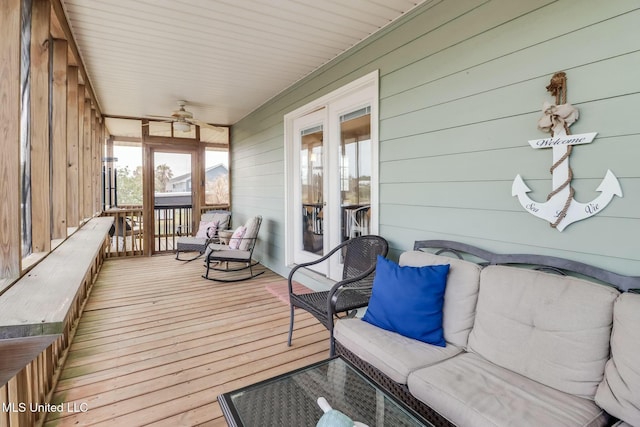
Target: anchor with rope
<point x="561" y="209"/>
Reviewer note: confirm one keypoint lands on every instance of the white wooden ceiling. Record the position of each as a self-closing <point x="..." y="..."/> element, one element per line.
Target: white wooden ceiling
<point x="226" y="58"/>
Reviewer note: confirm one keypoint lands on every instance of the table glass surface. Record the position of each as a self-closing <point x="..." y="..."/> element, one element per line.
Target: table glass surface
<point x="291" y="399"/>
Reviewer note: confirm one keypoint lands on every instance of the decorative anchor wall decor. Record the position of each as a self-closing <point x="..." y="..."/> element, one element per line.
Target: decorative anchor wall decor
<point x="561" y="209"/>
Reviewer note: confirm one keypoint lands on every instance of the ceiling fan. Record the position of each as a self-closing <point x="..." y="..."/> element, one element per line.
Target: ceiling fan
<point x="182" y="119"/>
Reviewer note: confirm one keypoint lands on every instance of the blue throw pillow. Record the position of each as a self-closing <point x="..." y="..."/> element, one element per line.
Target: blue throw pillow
<point x="409" y="300"/>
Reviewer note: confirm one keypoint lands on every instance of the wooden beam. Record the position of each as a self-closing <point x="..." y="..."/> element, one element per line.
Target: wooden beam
<point x="58" y="11"/>
<point x="116" y="116"/>
<point x="58" y="141"/>
<point x="10" y="242"/>
<point x="110" y="176"/>
<point x="73" y="174"/>
<point x="81" y="177"/>
<point x="147" y="199"/>
<point x="56" y="28"/>
<point x="86" y="173"/>
<point x="40" y="155"/>
<point x="126" y="138"/>
<point x="96" y="170"/>
<point x="71" y="59"/>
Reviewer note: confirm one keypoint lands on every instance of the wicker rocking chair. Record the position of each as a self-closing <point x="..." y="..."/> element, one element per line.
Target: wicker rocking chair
<point x="349" y="294"/>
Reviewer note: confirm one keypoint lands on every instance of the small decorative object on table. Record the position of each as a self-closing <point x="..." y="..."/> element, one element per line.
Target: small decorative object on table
<point x="334" y="418"/>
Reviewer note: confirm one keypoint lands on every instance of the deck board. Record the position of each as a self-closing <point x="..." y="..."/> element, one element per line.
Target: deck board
<point x="157" y="344"/>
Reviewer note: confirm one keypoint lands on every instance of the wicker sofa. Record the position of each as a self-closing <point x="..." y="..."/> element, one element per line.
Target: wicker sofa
<point x="524" y="346"/>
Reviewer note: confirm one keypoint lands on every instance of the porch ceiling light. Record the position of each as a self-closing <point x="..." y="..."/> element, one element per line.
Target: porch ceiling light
<point x="182" y="126"/>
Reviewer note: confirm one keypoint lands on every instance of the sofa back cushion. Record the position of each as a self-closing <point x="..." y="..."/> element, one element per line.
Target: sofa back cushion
<point x="550" y="328"/>
<point x="460" y="296"/>
<point x="619" y="392"/>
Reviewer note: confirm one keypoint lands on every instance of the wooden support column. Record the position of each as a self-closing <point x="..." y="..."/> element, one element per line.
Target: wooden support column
<point x="10" y="253"/>
<point x="59" y="141"/>
<point x="81" y="100"/>
<point x="147" y="195"/>
<point x="111" y="175"/>
<point x="87" y="158"/>
<point x="73" y="177"/>
<point x="40" y="155"/>
<point x="99" y="144"/>
<point x="95" y="174"/>
<point x="102" y="143"/>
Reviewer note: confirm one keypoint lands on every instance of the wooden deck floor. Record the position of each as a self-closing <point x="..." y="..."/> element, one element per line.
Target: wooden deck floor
<point x="157" y="344"/>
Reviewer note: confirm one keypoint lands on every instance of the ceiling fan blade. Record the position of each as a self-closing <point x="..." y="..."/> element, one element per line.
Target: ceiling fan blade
<point x="202" y="124"/>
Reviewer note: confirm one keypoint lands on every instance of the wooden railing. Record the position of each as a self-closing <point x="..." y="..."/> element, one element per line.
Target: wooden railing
<point x="170" y="222"/>
<point x="126" y="238"/>
<point x="38" y="315"/>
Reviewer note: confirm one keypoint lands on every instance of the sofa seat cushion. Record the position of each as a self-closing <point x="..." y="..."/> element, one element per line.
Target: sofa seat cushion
<point x="619" y="392"/>
<point x="550" y="328"/>
<point x="391" y="353"/>
<point x="460" y="296"/>
<point x="471" y="391"/>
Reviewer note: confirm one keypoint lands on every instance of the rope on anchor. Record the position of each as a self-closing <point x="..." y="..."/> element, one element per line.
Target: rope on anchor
<point x="558" y="88"/>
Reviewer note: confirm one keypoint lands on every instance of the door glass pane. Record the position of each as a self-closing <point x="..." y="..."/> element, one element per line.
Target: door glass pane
<point x="172" y="199"/>
<point x="311" y="179"/>
<point x="355" y="172"/>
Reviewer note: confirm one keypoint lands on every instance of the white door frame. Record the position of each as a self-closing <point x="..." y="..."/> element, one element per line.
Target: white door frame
<point x="360" y="91"/>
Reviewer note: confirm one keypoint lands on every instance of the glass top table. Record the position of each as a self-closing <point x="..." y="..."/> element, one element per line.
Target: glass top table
<point x="291" y="399"/>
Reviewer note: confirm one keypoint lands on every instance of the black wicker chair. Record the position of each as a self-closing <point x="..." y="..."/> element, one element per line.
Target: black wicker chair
<point x="352" y="292"/>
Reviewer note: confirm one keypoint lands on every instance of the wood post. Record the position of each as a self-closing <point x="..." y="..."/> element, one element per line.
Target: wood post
<point x="86" y="172"/>
<point x="81" y="160"/>
<point x="10" y="242"/>
<point x="59" y="141"/>
<point x="40" y="155"/>
<point x="73" y="175"/>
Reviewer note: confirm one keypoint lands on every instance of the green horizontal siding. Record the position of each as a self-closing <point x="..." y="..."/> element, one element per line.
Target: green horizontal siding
<point x="461" y="89"/>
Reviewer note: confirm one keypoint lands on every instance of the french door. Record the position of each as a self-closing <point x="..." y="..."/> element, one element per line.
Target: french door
<point x="332" y="174"/>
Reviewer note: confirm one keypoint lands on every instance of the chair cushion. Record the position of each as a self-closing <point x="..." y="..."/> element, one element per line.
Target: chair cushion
<point x="251" y="233"/>
<point x="408" y="300"/>
<point x="471" y="391"/>
<point x="207" y="229"/>
<point x="187" y="243"/>
<point x="236" y="238"/>
<point x="619" y="392"/>
<point x="553" y="329"/>
<point x="220" y="252"/>
<point x="460" y="295"/>
<point x="229" y="255"/>
<point x="393" y="354"/>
